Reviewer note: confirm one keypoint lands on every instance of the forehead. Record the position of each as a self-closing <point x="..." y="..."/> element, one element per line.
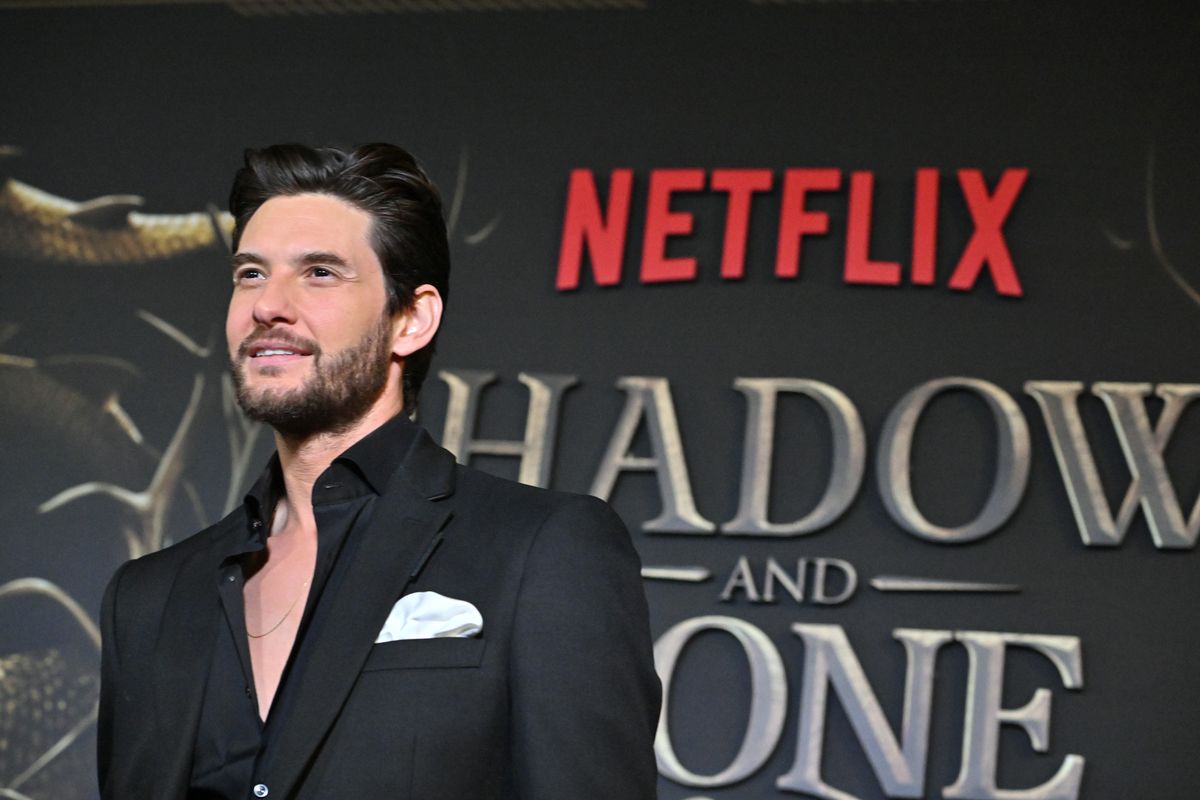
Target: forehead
<point x="286" y="225"/>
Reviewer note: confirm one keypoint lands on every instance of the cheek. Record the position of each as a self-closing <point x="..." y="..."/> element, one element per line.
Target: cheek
<point x="238" y="323"/>
<point x="332" y="323"/>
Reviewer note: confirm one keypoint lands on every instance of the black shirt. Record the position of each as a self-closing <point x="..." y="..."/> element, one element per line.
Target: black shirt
<point x="233" y="744"/>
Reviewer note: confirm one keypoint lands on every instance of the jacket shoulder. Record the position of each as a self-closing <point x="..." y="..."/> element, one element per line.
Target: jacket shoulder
<point x="518" y="520"/>
<point x="508" y="499"/>
<point x="153" y="573"/>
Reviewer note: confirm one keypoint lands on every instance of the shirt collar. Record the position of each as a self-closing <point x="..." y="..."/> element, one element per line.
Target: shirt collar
<point x="373" y="458"/>
<point x="380" y="453"/>
<point x="259" y="503"/>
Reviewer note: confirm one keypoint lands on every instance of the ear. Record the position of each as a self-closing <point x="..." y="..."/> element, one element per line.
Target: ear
<point x="415" y="326"/>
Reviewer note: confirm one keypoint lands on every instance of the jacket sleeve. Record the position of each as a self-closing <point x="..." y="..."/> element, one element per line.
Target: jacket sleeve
<point x="585" y="697"/>
<point x="109" y="680"/>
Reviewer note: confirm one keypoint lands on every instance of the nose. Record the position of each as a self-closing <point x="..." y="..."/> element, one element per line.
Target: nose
<point x="273" y="304"/>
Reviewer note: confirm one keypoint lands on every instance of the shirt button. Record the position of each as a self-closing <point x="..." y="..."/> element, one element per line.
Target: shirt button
<point x="261" y="790"/>
<point x="256" y="524"/>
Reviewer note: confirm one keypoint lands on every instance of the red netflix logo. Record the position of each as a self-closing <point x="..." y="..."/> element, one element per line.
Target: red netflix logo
<point x="601" y="232"/>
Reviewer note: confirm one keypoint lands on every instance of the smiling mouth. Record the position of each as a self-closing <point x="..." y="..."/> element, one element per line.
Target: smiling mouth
<point x="275" y="347"/>
<point x="274" y="351"/>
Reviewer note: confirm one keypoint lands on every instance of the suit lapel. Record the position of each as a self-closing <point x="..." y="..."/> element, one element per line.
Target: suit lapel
<point x="400" y="537"/>
<point x="183" y="658"/>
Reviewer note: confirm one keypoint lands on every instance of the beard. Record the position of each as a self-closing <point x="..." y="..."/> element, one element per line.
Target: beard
<point x="342" y="388"/>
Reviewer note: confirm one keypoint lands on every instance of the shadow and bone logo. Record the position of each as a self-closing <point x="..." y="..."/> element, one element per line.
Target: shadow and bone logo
<point x="898" y="758"/>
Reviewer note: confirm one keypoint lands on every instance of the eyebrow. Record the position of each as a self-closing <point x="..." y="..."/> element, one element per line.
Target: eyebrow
<point x="320" y="257"/>
<point x="302" y="260"/>
<point x="241" y="259"/>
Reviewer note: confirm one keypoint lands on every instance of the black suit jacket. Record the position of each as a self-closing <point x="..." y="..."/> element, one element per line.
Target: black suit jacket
<point x="556" y="700"/>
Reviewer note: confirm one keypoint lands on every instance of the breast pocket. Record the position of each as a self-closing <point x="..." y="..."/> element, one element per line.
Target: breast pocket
<point x="426" y="654"/>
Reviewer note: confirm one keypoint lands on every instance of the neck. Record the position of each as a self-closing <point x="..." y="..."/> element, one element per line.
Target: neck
<point x="304" y="458"/>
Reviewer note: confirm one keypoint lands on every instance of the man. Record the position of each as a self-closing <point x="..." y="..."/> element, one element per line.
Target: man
<point x="375" y="621"/>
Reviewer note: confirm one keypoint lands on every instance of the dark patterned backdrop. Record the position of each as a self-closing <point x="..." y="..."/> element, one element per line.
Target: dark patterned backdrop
<point x="125" y="120"/>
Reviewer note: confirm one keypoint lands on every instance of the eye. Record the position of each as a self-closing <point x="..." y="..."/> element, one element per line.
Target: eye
<point x="323" y="273"/>
<point x="246" y="274"/>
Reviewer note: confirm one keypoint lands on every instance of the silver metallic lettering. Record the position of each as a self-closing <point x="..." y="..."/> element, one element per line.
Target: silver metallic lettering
<point x="742" y="577"/>
<point x="1151" y="486"/>
<point x="768" y="700"/>
<point x="775" y="572"/>
<point x="829" y="659"/>
<point x="895" y="455"/>
<point x="984" y="715"/>
<point x="821" y="573"/>
<point x="536" y="450"/>
<point x="651" y="398"/>
<point x="846" y="471"/>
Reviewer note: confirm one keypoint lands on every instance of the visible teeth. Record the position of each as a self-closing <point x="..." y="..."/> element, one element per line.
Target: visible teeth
<point x="275" y="353"/>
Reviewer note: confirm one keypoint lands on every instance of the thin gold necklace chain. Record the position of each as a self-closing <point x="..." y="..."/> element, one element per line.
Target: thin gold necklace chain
<point x="286" y="614"/>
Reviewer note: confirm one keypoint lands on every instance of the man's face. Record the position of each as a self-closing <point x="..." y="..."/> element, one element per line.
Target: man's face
<point x="309" y="337"/>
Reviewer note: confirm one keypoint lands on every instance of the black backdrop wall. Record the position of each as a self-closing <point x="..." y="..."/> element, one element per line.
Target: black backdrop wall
<point x="1040" y="158"/>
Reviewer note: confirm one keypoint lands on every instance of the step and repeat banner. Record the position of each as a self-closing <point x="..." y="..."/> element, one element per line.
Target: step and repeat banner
<point x="877" y="322"/>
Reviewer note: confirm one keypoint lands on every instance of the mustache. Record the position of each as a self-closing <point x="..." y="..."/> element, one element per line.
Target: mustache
<point x="278" y="337"/>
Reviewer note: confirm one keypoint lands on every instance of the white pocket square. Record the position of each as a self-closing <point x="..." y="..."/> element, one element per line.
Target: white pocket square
<point x="429" y="615"/>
